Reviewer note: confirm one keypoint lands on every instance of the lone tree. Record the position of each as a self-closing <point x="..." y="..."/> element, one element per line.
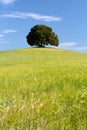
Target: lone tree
<point x="41" y="35"/>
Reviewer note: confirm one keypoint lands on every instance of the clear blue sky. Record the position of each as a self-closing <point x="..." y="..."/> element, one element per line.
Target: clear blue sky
<point x="68" y="19"/>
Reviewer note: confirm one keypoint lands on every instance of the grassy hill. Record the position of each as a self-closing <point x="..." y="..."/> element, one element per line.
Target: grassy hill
<point x="43" y="89"/>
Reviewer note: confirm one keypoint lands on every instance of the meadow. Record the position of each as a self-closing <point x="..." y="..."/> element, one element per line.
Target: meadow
<point x="43" y="89"/>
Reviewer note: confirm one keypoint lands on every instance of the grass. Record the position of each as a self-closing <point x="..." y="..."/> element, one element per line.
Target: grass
<point x="43" y="89"/>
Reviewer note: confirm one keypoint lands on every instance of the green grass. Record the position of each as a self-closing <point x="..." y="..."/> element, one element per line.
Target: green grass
<point x="43" y="89"/>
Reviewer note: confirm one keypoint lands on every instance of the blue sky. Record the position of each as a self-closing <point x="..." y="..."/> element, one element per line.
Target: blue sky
<point x="67" y="18"/>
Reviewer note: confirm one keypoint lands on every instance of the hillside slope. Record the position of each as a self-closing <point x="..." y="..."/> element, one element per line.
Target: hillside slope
<point x="43" y="88"/>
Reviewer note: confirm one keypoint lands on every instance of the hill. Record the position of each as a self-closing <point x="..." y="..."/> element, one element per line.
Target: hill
<point x="43" y="89"/>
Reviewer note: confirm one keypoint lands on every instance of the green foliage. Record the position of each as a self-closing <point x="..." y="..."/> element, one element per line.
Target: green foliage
<point x="43" y="89"/>
<point x="41" y="35"/>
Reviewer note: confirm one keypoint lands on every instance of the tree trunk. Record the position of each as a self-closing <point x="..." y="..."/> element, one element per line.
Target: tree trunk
<point x="41" y="45"/>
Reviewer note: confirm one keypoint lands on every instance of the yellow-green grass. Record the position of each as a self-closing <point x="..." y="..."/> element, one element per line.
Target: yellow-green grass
<point x="43" y="89"/>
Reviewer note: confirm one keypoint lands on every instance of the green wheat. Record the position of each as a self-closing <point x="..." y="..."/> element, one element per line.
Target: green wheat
<point x="43" y="89"/>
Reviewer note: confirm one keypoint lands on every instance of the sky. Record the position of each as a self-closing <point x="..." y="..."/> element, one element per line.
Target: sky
<point x="67" y="18"/>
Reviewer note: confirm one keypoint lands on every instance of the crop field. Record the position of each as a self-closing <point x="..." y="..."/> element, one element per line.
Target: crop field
<point x="43" y="89"/>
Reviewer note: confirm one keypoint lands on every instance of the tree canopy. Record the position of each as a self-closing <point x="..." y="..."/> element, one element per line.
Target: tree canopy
<point x="41" y="35"/>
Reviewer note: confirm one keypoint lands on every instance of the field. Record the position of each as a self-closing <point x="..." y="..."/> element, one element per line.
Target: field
<point x="43" y="89"/>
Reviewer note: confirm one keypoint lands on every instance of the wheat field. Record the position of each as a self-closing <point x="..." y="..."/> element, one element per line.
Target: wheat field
<point x="43" y="89"/>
